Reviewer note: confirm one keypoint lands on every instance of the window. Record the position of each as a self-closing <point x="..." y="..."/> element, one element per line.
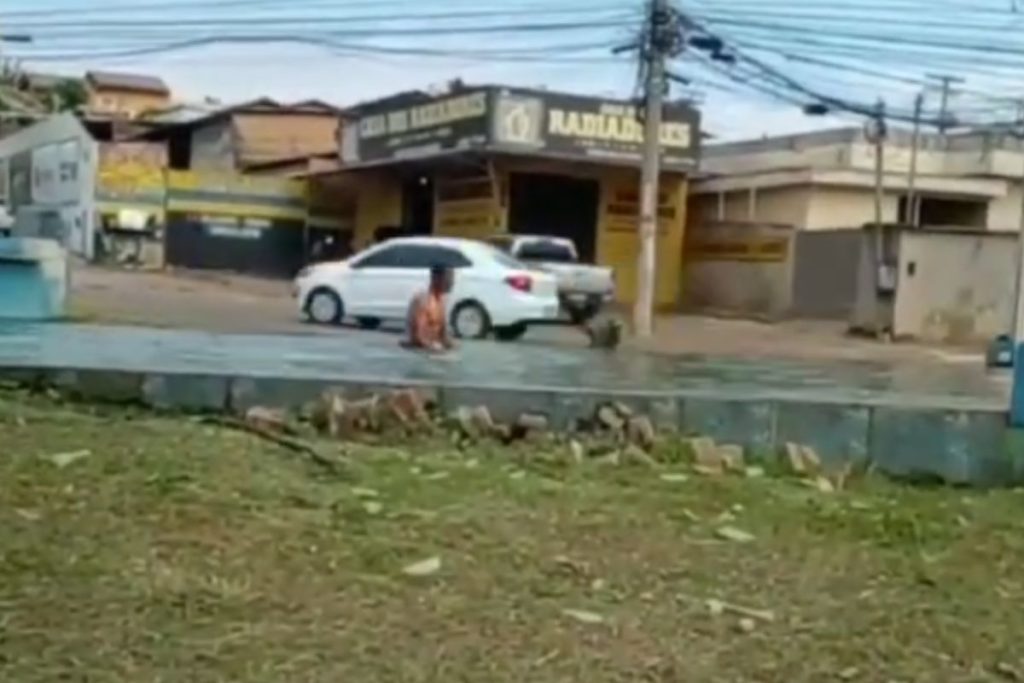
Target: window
<point x="443" y="256"/>
<point x="388" y="257"/>
<point x="547" y="250"/>
<point x="414" y="256"/>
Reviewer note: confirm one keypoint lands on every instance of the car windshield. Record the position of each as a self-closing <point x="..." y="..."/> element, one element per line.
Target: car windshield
<point x="546" y="250"/>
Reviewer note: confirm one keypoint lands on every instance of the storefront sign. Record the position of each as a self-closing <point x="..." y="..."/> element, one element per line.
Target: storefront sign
<point x="753" y="249"/>
<point x="522" y="121"/>
<point x="450" y="122"/>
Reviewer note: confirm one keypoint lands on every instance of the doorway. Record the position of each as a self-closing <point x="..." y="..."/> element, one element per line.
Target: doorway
<point x="418" y="205"/>
<point x="555" y="205"/>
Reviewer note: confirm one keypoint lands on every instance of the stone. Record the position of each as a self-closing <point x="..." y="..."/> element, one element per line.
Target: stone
<point x="746" y="625"/>
<point x="426" y="567"/>
<point x="533" y="422"/>
<point x="707" y="459"/>
<point x="576" y="452"/>
<point x="731" y="533"/>
<point x="62" y="460"/>
<point x="640" y="432"/>
<point x="803" y="461"/>
<point x="267" y="419"/>
<point x="329" y="415"/>
<point x="474" y="423"/>
<point x="622" y="409"/>
<point x="674" y="478"/>
<point x="609" y="419"/>
<point x="408" y="409"/>
<point x="584" y="616"/>
<point x="604" y="333"/>
<point x="731" y="456"/>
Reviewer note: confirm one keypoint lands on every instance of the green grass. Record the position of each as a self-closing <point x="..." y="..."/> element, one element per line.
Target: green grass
<point x="182" y="552"/>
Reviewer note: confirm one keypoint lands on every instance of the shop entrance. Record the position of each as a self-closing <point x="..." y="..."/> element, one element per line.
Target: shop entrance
<point x="418" y="205"/>
<point x="558" y="206"/>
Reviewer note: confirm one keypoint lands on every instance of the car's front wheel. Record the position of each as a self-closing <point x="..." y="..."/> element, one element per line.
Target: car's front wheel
<point x="324" y="306"/>
<point x="470" y="321"/>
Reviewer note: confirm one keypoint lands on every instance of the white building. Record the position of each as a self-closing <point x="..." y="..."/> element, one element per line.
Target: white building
<point x="826" y="180"/>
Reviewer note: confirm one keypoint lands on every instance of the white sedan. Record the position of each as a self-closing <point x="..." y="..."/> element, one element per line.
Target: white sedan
<point x="492" y="292"/>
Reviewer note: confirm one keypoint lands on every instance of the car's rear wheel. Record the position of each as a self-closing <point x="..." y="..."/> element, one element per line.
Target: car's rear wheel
<point x="510" y="332"/>
<point x="368" y="323"/>
<point x="324" y="306"/>
<point x="470" y="321"/>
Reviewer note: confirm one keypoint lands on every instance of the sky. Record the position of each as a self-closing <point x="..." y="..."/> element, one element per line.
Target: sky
<point x="71" y="36"/>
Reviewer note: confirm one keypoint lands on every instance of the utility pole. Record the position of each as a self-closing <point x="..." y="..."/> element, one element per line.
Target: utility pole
<point x="910" y="215"/>
<point x="878" y="133"/>
<point x="947" y="81"/>
<point x="654" y="52"/>
<point x="1018" y="311"/>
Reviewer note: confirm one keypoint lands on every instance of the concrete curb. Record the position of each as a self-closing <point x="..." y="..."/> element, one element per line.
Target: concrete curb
<point x="947" y="442"/>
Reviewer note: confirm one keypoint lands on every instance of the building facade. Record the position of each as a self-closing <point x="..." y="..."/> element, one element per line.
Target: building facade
<point x="478" y="161"/>
<point x="826" y="180"/>
<point x="124" y="95"/>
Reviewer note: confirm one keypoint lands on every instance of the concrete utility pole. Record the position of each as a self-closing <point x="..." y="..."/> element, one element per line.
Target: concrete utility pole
<point x="879" y="134"/>
<point x="947" y="81"/>
<point x="911" y="210"/>
<point x="654" y="54"/>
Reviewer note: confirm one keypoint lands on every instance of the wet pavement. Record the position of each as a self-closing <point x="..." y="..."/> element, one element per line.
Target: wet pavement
<point x="377" y="358"/>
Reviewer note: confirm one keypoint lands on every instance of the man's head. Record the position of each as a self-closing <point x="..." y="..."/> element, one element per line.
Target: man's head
<point x="441" y="278"/>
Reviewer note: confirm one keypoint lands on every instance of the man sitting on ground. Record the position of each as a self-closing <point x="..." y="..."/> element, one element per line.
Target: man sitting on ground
<point x="426" y="321"/>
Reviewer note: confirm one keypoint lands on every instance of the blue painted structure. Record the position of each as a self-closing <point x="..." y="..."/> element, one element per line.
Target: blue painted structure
<point x="943" y="421"/>
<point x="33" y="279"/>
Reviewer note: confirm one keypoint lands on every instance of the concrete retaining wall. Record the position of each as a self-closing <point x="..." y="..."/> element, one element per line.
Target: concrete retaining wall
<point x="937" y="442"/>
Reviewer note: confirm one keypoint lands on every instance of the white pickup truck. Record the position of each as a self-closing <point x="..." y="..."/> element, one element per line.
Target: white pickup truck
<point x="582" y="289"/>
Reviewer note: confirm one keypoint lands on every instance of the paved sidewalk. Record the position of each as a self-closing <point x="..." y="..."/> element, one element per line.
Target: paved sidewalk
<point x="357" y="357"/>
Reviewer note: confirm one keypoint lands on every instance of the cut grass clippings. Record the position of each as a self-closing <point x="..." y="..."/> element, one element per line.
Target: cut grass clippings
<point x="178" y="551"/>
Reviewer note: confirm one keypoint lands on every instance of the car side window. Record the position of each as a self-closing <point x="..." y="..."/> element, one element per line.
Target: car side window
<point x="385" y="258"/>
<point x="443" y="256"/>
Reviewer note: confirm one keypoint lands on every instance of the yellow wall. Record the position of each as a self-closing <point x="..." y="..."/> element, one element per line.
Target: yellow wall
<point x="618" y="244"/>
<point x="379" y="203"/>
<point x="469" y="207"/>
<point x="478" y="214"/>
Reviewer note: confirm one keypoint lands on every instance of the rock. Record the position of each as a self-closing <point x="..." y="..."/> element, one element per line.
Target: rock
<point x="622" y="409"/>
<point x="707" y="459"/>
<point x="674" y="478"/>
<point x="474" y="423"/>
<point x="364" y="415"/>
<point x="732" y="457"/>
<point x="609" y="419"/>
<point x="583" y="616"/>
<point x="328" y="415"/>
<point x="731" y="533"/>
<point x="530" y="424"/>
<point x="604" y="333"/>
<point x="715" y="607"/>
<point x="426" y="567"/>
<point x="373" y="508"/>
<point x="267" y="419"/>
<point x="754" y="473"/>
<point x="614" y="459"/>
<point x="640" y="432"/>
<point x="823" y="484"/>
<point x="849" y="673"/>
<point x="408" y="408"/>
<point x="576" y="452"/>
<point x="746" y="625"/>
<point x="361" y="492"/>
<point x="62" y="460"/>
<point x="803" y="461"/>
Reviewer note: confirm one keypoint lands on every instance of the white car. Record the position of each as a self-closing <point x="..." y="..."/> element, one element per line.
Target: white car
<point x="492" y="292"/>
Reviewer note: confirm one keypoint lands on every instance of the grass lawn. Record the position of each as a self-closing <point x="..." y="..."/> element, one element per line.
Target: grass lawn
<point x="180" y="552"/>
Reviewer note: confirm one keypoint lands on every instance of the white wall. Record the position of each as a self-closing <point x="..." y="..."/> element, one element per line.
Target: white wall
<point x="955" y="287"/>
<point x="61" y="189"/>
<point x="845" y="207"/>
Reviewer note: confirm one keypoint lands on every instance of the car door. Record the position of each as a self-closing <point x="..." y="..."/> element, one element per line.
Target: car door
<point x="375" y="283"/>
